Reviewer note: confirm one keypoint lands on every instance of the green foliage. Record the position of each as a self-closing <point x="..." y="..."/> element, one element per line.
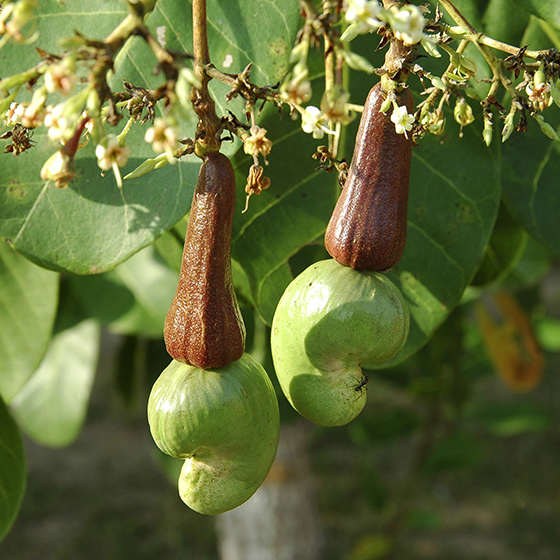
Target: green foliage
<point x="51" y="407"/>
<point x="479" y="217"/>
<point x="28" y="301"/>
<point x="12" y="469"/>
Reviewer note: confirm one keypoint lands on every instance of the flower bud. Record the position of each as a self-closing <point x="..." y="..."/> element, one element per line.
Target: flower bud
<point x="487" y="132"/>
<point x="546" y="128"/>
<point x="357" y="62"/>
<point x="463" y="113"/>
<point x="508" y="126"/>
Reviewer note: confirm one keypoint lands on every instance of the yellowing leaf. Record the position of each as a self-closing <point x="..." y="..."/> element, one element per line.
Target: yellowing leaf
<point x="509" y="341"/>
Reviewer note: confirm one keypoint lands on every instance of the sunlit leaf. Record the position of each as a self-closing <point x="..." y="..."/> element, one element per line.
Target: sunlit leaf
<point x="28" y="300"/>
<point x="51" y="407"/>
<point x="92" y="225"/>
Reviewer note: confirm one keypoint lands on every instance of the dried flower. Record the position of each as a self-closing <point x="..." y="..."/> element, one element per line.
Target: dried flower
<point x="256" y="183"/>
<point x="257" y="143"/>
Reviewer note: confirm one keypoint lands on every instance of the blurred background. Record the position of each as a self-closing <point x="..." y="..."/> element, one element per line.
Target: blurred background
<point x="450" y="459"/>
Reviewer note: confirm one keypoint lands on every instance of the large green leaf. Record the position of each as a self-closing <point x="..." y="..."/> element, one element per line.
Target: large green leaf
<point x="548" y="10"/>
<point x="292" y="213"/>
<point x="92" y="226"/>
<point x="133" y="298"/>
<point x="12" y="469"/>
<point x="28" y="300"/>
<point x="531" y="174"/>
<point x="51" y="407"/>
<point x="531" y="169"/>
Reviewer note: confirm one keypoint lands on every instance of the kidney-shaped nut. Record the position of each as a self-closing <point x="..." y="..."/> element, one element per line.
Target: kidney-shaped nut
<point x="367" y="230"/>
<point x="204" y="326"/>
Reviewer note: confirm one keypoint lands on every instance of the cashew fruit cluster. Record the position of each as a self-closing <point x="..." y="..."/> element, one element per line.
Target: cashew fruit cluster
<point x="214" y="405"/>
<point x="341" y="313"/>
<point x="224" y="423"/>
<point x="329" y="321"/>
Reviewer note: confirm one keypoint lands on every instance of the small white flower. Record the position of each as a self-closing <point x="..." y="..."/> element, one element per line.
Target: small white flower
<point x="403" y="121"/>
<point x="408" y="24"/>
<point x="60" y="78"/>
<point x="312" y="121"/>
<point x="539" y="95"/>
<point x="14" y="113"/>
<point x="363" y="14"/>
<point x="57" y="123"/>
<point x="110" y="153"/>
<point x="163" y="137"/>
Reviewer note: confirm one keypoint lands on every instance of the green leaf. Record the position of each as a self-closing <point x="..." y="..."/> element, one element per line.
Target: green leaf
<point x="531" y="167"/>
<point x="544" y="9"/>
<point x="133" y="298"/>
<point x="547" y="331"/>
<point x="292" y="213"/>
<point x="92" y="226"/>
<point x="12" y="470"/>
<point x="531" y="267"/>
<point x="453" y="202"/>
<point x="28" y="301"/>
<point x="51" y="407"/>
<point x="505" y="24"/>
<point x="454" y="198"/>
<point x="505" y="248"/>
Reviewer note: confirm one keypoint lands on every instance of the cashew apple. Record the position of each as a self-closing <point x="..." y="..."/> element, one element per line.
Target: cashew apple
<point x="331" y="319"/>
<point x="224" y="423"/>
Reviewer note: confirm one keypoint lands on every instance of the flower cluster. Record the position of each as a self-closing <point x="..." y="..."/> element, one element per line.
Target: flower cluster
<point x="15" y="18"/>
<point x="365" y="16"/>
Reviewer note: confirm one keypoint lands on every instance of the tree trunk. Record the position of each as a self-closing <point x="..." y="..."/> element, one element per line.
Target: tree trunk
<point x="281" y="521"/>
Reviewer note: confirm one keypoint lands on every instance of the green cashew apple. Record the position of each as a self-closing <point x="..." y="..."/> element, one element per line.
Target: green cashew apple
<point x="224" y="423"/>
<point x="331" y="319"/>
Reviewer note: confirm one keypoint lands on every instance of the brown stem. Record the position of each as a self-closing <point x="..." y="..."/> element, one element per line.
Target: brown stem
<point x="209" y="124"/>
<point x="397" y="54"/>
